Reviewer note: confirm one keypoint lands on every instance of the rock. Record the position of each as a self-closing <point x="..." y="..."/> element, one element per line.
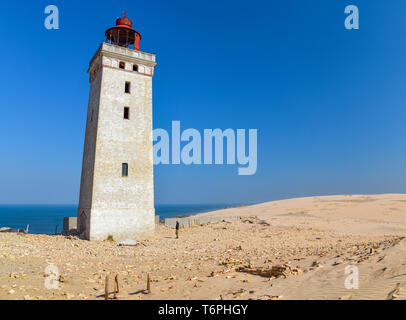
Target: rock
<point x="316" y="264"/>
<point x="346" y="297"/>
<point x="11" y="291"/>
<point x="394" y="293"/>
<point x="127" y="242"/>
<point x="231" y="262"/>
<point x="68" y="295"/>
<point x="268" y="297"/>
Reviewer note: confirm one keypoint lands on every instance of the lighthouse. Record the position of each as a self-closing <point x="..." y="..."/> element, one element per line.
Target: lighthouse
<point x="117" y="188"/>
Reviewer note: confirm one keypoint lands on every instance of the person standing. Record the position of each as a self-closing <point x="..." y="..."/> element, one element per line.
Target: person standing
<point x="177" y="229"/>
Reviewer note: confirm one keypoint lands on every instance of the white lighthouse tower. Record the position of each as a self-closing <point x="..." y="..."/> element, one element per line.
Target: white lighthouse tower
<point x="117" y="190"/>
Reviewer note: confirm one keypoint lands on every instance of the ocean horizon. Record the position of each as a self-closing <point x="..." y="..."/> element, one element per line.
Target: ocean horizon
<point x="48" y="218"/>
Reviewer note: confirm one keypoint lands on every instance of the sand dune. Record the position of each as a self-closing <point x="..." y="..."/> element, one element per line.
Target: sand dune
<point x="351" y="214"/>
<point x="346" y="214"/>
<point x="289" y="249"/>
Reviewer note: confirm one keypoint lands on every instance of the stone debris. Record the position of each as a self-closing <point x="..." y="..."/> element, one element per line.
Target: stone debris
<point x="269" y="297"/>
<point x="393" y="295"/>
<point x="316" y="264"/>
<point x="275" y="271"/>
<point x="253" y="220"/>
<point x="363" y="252"/>
<point x="72" y="237"/>
<point x="17" y="275"/>
<point x="127" y="243"/>
<point x="244" y="247"/>
<point x="346" y="297"/>
<point x="239" y="293"/>
<point x="69" y="295"/>
<point x="231" y="262"/>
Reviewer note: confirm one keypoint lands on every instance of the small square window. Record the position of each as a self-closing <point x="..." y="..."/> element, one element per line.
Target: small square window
<point x="124" y="169"/>
<point x="135" y="67"/>
<point x="126" y="113"/>
<point x="122" y="65"/>
<point x="127" y="87"/>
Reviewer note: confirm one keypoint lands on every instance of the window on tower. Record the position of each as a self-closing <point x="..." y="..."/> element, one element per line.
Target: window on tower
<point x="127" y="87"/>
<point x="124" y="169"/>
<point x="122" y="65"/>
<point x="135" y="67"/>
<point x="127" y="113"/>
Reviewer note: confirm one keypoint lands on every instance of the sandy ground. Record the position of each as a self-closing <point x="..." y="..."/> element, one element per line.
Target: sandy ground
<point x="311" y="241"/>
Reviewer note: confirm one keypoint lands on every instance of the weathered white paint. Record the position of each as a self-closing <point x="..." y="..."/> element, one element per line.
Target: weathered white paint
<point x="110" y="204"/>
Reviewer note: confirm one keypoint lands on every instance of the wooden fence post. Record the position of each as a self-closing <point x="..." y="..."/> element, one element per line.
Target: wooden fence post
<point x="106" y="288"/>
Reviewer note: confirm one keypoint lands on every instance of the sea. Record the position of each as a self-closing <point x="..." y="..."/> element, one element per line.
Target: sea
<point x="48" y="219"/>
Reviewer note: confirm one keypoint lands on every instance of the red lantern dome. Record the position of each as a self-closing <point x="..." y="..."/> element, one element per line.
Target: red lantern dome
<point x="123" y="34"/>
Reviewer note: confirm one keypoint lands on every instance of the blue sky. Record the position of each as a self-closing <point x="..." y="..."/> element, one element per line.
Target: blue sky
<point x="328" y="103"/>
